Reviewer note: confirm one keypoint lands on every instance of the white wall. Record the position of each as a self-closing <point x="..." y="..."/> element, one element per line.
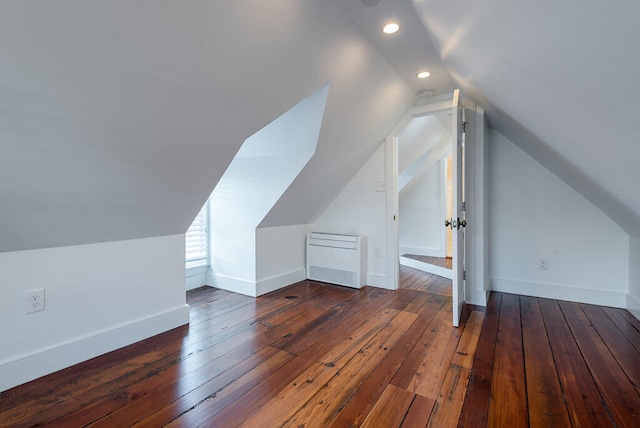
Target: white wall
<point x="633" y="298"/>
<point x="420" y="227"/>
<point x="262" y="170"/>
<point x="476" y="214"/>
<point x="98" y="297"/>
<point x="360" y="209"/>
<point x="280" y="256"/>
<point x="535" y="215"/>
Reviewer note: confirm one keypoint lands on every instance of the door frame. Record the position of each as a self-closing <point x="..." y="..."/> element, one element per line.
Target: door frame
<point x="439" y="104"/>
<point x="477" y="284"/>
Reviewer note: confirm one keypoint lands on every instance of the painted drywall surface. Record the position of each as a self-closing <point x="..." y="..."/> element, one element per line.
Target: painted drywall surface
<point x="534" y="215"/>
<point x="526" y="64"/>
<point x="476" y="213"/>
<point x="196" y="277"/>
<point x="90" y="291"/>
<point x="121" y="123"/>
<point x="264" y="167"/>
<point x="360" y="209"/>
<point x="420" y="135"/>
<point x="633" y="298"/>
<point x="280" y="256"/>
<point x="420" y="216"/>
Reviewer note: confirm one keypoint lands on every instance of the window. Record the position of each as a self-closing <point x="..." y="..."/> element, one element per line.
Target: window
<point x="196" y="240"/>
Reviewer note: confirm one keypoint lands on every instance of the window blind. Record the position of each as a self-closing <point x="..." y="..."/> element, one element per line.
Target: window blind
<point x="196" y="242"/>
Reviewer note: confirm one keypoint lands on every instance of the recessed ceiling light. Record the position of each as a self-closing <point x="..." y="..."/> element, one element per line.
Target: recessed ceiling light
<point x="390" y="28"/>
<point x="423" y="74"/>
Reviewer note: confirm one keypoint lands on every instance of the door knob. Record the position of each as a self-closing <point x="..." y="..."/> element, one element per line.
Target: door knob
<point x="455" y="223"/>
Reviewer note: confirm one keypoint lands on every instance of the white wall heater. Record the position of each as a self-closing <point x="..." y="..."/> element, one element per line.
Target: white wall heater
<point x="337" y="259"/>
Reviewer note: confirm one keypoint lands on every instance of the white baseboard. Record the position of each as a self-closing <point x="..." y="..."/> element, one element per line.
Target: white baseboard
<point x="28" y="367"/>
<point x="425" y="267"/>
<point x="422" y="251"/>
<point x="380" y="281"/>
<point x="614" y="299"/>
<point x="279" y="281"/>
<point x="196" y="276"/>
<point x="477" y="297"/>
<point x="235" y="285"/>
<point x="633" y="306"/>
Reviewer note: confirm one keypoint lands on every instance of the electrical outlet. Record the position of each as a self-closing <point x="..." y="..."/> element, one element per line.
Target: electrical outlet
<point x="34" y="300"/>
<point x="542" y="264"/>
<point x="378" y="249"/>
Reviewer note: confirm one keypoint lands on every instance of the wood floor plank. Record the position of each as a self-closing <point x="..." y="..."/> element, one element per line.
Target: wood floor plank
<point x="330" y="353"/>
<point x="416" y="305"/>
<point x="421" y="371"/>
<point x="466" y="350"/>
<point x="619" y="345"/>
<point x="617" y="316"/>
<point x="390" y="409"/>
<point x="448" y="405"/>
<point x="508" y="403"/>
<point x="424" y="282"/>
<point x="138" y="410"/>
<point x="441" y="286"/>
<point x="226" y="390"/>
<point x="419" y="411"/>
<point x="406" y="296"/>
<point x="620" y="396"/>
<point x="635" y="322"/>
<point x="412" y="278"/>
<point x="335" y="297"/>
<point x="584" y="402"/>
<point x="326" y="403"/>
<point x="335" y="318"/>
<point x="47" y="409"/>
<point x="429" y="378"/>
<point x="288" y="400"/>
<point x="368" y="393"/>
<point x="41" y="388"/>
<point x="191" y="398"/>
<point x="148" y="395"/>
<point x="544" y="394"/>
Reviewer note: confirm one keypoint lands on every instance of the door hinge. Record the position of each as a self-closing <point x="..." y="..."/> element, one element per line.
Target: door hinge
<point x="464" y="274"/>
<point x="464" y="127"/>
<point x="464" y="206"/>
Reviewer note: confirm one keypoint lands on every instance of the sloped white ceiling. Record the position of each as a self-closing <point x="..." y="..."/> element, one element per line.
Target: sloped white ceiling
<point x="118" y="118"/>
<point x="560" y="79"/>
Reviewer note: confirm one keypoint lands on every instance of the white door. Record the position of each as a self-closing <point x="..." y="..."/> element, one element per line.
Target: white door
<point x="457" y="222"/>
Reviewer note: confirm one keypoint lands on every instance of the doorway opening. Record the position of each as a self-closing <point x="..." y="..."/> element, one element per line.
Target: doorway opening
<point x="424" y="194"/>
<point x="417" y="205"/>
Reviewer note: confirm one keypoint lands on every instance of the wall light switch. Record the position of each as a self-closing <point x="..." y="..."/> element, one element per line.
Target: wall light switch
<point x="380" y="186"/>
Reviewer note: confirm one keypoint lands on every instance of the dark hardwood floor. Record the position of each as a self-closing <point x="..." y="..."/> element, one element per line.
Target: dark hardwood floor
<point x="315" y="354"/>
<point x="547" y="363"/>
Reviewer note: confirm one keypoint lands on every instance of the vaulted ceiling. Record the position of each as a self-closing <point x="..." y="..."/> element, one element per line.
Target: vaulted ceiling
<point x="118" y="118"/>
<point x="559" y="79"/>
